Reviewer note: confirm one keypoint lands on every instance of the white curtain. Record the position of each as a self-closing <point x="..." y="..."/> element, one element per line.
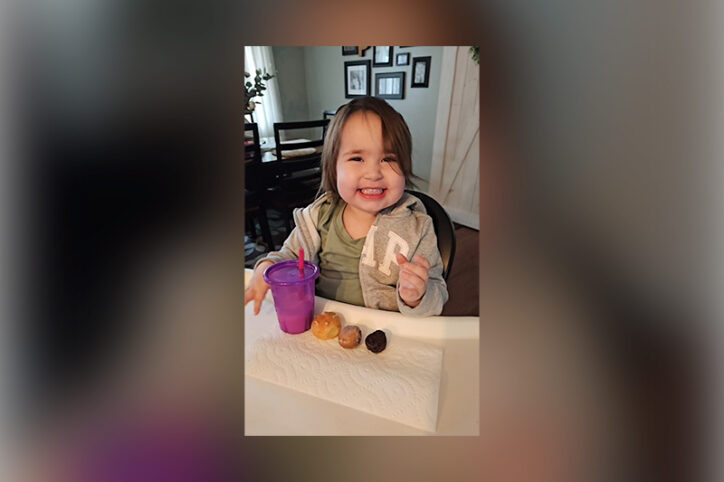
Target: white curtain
<point x="270" y="109"/>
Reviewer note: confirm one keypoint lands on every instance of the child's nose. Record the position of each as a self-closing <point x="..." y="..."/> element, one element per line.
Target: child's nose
<point x="373" y="170"/>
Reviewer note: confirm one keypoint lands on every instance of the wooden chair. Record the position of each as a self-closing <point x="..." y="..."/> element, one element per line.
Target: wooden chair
<point x="328" y="114"/>
<point x="444" y="229"/>
<point x="255" y="184"/>
<point x="296" y="172"/>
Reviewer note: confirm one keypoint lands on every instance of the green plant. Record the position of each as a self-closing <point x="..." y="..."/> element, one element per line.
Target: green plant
<point x="475" y="53"/>
<point x="256" y="89"/>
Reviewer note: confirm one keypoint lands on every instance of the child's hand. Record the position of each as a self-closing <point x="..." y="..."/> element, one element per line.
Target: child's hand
<point x="257" y="286"/>
<point x="413" y="279"/>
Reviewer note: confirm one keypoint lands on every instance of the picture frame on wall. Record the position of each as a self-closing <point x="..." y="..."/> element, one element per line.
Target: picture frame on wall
<point x="420" y="72"/>
<point x="382" y="57"/>
<point x="390" y="85"/>
<point x="357" y="75"/>
<point x="350" y="50"/>
<point x="403" y="58"/>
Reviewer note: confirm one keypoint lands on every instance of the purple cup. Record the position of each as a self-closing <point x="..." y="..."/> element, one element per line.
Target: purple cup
<point x="293" y="295"/>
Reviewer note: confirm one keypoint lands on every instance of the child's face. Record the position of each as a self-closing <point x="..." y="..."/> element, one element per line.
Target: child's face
<point x="368" y="178"/>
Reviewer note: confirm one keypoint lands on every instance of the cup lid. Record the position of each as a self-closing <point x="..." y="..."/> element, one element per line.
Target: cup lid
<point x="287" y="273"/>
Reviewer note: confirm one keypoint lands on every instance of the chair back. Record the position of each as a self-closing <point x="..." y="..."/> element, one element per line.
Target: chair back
<point x="297" y="161"/>
<point x="253" y="170"/>
<point x="444" y="229"/>
<point x="252" y="150"/>
<point x="283" y="147"/>
<point x="255" y="183"/>
<point x="328" y="114"/>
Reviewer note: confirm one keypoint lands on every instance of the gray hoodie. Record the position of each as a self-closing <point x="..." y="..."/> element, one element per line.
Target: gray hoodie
<point x="404" y="227"/>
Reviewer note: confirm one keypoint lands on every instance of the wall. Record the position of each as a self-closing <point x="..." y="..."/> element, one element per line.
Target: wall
<point x="324" y="85"/>
<point x="290" y="66"/>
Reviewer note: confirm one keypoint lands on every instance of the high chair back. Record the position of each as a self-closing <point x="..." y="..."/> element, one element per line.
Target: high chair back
<point x="444" y="230"/>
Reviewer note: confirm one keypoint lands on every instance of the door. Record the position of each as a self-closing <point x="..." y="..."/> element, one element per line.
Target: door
<point x="455" y="169"/>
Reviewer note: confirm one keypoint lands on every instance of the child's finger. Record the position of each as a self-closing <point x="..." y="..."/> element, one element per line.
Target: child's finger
<point x="413" y="277"/>
<point x="248" y="296"/>
<point x="420" y="261"/>
<point x="257" y="304"/>
<point x="411" y="295"/>
<point x="412" y="282"/>
<point x="410" y="272"/>
<point x="420" y="271"/>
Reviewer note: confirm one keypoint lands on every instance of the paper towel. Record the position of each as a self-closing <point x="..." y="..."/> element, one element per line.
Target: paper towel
<point x="401" y="384"/>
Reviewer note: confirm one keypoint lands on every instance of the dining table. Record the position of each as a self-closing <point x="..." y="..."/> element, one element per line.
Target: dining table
<point x="278" y="409"/>
<point x="268" y="147"/>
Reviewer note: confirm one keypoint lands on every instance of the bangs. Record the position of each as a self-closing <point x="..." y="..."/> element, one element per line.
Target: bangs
<point x="391" y="145"/>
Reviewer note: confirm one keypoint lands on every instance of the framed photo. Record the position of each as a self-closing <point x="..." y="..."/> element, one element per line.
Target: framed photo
<point x="357" y="75"/>
<point x="382" y="57"/>
<point x="390" y="85"/>
<point x="403" y="59"/>
<point x="349" y="50"/>
<point x="420" y="72"/>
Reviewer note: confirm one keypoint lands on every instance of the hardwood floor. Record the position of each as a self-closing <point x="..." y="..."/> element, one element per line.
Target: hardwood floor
<point x="462" y="284"/>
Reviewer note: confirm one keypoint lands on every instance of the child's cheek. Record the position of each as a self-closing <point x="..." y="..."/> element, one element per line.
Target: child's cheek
<point x="343" y="190"/>
<point x="342" y="183"/>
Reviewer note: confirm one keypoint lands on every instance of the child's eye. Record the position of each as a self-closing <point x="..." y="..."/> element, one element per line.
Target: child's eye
<point x="355" y="159"/>
<point x="389" y="159"/>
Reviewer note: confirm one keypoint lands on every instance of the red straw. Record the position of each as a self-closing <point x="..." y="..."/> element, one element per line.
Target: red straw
<point x="301" y="263"/>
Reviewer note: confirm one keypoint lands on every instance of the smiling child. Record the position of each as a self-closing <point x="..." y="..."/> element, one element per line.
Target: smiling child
<point x="373" y="242"/>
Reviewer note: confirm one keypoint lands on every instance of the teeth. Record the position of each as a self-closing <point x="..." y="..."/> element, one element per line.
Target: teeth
<point x="372" y="191"/>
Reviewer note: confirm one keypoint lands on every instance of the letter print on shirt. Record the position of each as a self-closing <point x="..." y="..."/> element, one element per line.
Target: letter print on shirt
<point x="393" y="241"/>
<point x="368" y="251"/>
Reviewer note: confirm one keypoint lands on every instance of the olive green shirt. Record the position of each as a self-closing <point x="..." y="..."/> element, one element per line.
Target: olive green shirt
<point x="338" y="257"/>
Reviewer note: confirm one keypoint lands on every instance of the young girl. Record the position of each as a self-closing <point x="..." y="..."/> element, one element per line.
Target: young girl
<point x="373" y="242"/>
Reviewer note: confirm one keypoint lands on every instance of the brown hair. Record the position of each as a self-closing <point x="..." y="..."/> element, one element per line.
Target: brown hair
<point x="395" y="133"/>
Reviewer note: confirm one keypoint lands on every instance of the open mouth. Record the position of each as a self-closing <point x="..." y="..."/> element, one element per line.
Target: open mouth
<point x="372" y="192"/>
